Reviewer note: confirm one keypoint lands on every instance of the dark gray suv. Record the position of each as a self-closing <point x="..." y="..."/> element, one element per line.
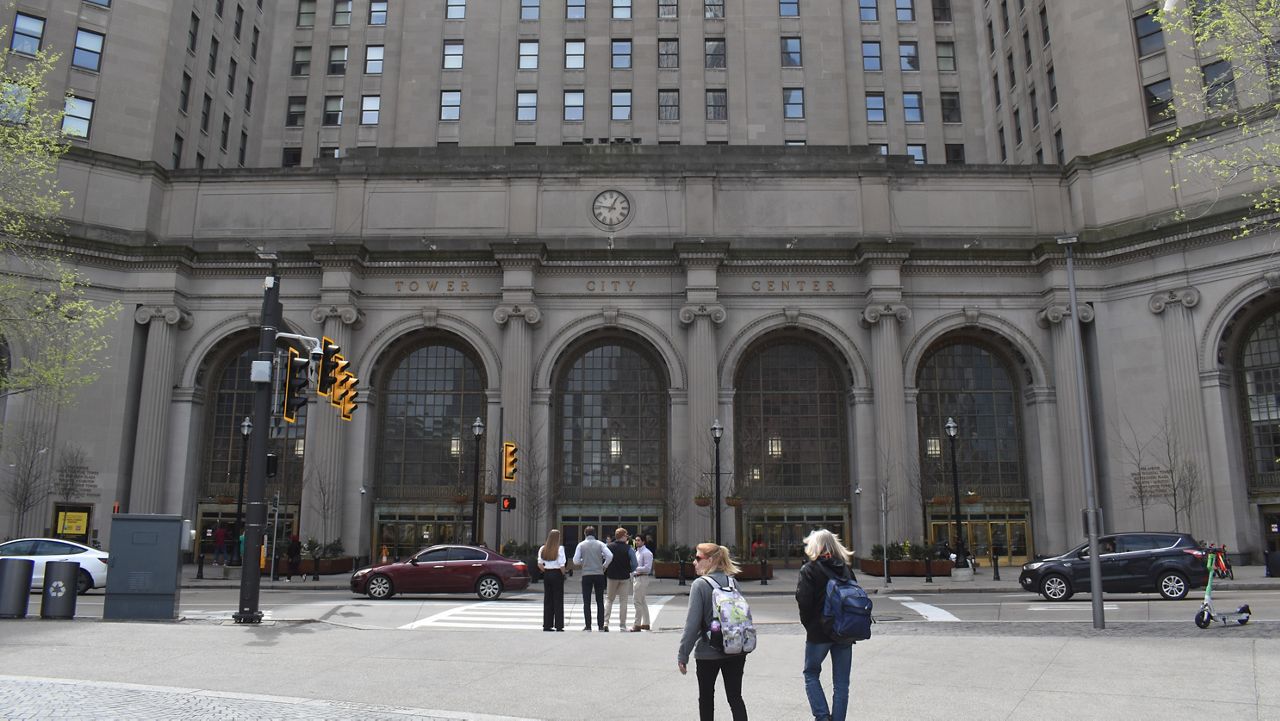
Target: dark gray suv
<point x="1170" y="564"/>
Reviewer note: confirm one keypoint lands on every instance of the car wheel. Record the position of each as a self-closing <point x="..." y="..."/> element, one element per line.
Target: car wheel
<point x="1055" y="587"/>
<point x="1202" y="618"/>
<point x="84" y="582"/>
<point x="488" y="587"/>
<point x="379" y="587"/>
<point x="1172" y="585"/>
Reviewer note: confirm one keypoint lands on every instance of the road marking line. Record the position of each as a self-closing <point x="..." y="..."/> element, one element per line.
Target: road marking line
<point x="1070" y="607"/>
<point x="930" y="613"/>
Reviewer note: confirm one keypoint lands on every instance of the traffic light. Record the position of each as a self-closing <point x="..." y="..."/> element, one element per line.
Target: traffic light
<point x="324" y="375"/>
<point x="508" y="503"/>
<point x="510" y="455"/>
<point x="346" y="394"/>
<point x="295" y="384"/>
<point x="337" y="371"/>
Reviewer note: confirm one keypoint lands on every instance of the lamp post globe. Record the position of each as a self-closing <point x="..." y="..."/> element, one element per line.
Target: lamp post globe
<point x="246" y="427"/>
<point x="717" y="431"/>
<point x="477" y="428"/>
<point x="962" y="556"/>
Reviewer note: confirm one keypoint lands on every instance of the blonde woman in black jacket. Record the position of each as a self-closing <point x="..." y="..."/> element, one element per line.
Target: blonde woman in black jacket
<point x="827" y="558"/>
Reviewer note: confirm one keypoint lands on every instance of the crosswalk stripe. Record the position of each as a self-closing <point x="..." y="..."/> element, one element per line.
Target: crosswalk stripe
<point x="505" y="615"/>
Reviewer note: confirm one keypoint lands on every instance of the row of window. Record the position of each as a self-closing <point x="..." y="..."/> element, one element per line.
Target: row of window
<point x="342" y="13"/>
<point x="179" y="144"/>
<point x="193" y="37"/>
<point x="28" y="38"/>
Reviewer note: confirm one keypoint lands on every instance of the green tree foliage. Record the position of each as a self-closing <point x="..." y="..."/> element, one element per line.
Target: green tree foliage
<point x="1226" y="104"/>
<point x="51" y="327"/>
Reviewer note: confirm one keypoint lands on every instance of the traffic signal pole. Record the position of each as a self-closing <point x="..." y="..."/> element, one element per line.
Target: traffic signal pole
<point x="256" y="513"/>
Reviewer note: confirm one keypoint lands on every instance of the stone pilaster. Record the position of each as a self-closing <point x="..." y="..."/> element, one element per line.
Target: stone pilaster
<point x="150" y="462"/>
<point x="518" y="322"/>
<point x="1070" y="437"/>
<point x="885" y="321"/>
<point x="1186" y="424"/>
<point x="328" y="438"/>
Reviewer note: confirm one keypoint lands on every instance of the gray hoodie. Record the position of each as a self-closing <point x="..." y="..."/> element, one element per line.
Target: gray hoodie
<point x="698" y="619"/>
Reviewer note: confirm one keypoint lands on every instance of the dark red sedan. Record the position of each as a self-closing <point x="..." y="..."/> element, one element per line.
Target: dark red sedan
<point x="444" y="569"/>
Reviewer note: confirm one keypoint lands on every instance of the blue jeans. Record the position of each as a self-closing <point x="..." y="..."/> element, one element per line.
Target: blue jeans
<point x="841" y="660"/>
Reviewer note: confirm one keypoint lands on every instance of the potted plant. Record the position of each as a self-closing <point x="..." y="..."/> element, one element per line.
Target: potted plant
<point x="702" y="501"/>
<point x="735" y="501"/>
<point x="490" y="495"/>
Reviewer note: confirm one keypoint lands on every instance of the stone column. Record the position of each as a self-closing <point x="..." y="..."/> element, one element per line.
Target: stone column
<point x="885" y="320"/>
<point x="1186" y="429"/>
<point x="147" y="486"/>
<point x="1048" y="529"/>
<point x="329" y="438"/>
<point x="517" y="321"/>
<point x="1070" y="436"/>
<point x="866" y="521"/>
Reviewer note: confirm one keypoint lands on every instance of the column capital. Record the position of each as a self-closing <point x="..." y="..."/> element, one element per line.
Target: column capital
<point x="348" y="314"/>
<point x="1189" y="297"/>
<point x="690" y="311"/>
<point x="1054" y="313"/>
<point x="873" y="313"/>
<point x="170" y="314"/>
<point x="528" y="311"/>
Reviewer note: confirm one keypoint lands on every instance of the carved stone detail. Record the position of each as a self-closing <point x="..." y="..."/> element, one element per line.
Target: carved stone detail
<point x="610" y="314"/>
<point x="1188" y="297"/>
<point x="1272" y="277"/>
<point x="430" y="317"/>
<point x="1056" y="312"/>
<point x="971" y="315"/>
<point x="792" y="314"/>
<point x="530" y="312"/>
<point x="171" y="315"/>
<point x="714" y="311"/>
<point x="348" y="314"/>
<point x="873" y="313"/>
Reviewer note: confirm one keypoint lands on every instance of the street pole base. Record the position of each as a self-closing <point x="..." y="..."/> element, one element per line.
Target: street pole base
<point x="247" y="616"/>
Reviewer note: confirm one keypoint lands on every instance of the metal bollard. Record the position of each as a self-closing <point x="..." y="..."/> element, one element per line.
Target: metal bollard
<point x="995" y="567"/>
<point x="682" y="583"/>
<point x="928" y="568"/>
<point x="200" y="564"/>
<point x="764" y="573"/>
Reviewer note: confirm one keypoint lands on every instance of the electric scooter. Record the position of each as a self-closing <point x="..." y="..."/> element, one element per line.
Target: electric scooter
<point x="1206" y="615"/>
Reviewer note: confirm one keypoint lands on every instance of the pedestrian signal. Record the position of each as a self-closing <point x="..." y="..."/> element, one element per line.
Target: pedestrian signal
<point x="508" y="503"/>
<point x="295" y="384"/>
<point x="510" y="455"/>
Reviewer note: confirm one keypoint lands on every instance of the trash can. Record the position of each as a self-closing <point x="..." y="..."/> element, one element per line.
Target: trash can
<point x="59" y="597"/>
<point x="15" y="586"/>
<point x="1273" y="564"/>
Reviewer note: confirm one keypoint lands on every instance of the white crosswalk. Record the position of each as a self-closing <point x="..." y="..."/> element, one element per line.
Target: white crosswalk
<point x="522" y="615"/>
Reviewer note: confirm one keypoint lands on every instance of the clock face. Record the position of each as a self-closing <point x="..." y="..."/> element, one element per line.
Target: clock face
<point x="611" y="208"/>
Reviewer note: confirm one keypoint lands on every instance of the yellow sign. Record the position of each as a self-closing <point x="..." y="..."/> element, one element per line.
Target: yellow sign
<point x="72" y="522"/>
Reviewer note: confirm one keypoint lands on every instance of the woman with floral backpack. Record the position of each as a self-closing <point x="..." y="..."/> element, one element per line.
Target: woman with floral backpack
<point x="712" y="561"/>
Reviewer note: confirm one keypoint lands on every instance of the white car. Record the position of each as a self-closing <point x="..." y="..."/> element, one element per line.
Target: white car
<point x="93" y="562"/>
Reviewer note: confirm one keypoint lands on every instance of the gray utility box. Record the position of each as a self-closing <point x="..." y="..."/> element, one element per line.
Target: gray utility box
<point x="145" y="567"/>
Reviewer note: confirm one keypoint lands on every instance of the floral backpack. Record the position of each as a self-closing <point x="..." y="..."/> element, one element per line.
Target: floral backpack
<point x="730" y="630"/>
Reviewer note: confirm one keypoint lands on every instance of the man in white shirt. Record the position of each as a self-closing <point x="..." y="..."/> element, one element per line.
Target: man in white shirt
<point x="640" y="582"/>
<point x="592" y="557"/>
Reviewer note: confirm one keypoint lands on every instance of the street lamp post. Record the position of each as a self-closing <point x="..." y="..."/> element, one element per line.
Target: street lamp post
<point x="717" y="430"/>
<point x="478" y="429"/>
<point x="961" y="556"/>
<point x="246" y="427"/>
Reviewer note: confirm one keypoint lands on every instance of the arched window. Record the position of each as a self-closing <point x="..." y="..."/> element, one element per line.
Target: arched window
<point x="232" y="401"/>
<point x="790" y="424"/>
<point x="426" y="447"/>
<point x="968" y="382"/>
<point x="611" y="415"/>
<point x="1258" y="378"/>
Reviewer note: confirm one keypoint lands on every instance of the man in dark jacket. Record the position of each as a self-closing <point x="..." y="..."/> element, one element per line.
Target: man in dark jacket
<point x="827" y="559"/>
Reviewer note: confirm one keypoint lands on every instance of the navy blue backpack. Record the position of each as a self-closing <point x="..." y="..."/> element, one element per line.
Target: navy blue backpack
<point x="846" y="609"/>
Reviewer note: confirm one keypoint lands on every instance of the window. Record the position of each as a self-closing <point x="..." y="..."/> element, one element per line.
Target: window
<point x="1004" y="14"/>
<point x="1026" y="45"/>
<point x="1013" y="77"/>
<point x="1035" y="108"/>
<point x="991" y="38"/>
<point x="378" y="12"/>
<point x="713" y="8"/>
<point x="1159" y="101"/>
<point x="1219" y="84"/>
<point x="573" y="105"/>
<point x="529" y="9"/>
<point x="794" y="142"/>
<point x="239" y="22"/>
<point x="789" y="8"/>
<point x="455" y="9"/>
<point x="206" y="111"/>
<point x="575" y="9"/>
<point x="621" y="105"/>
<point x="668" y="53"/>
<point x="218" y="6"/>
<point x="1039" y="155"/>
<point x="103" y="3"/>
<point x="714" y="53"/>
<point x="301" y="61"/>
<point x="880" y="148"/>
<point x="184" y="93"/>
<point x="870" y="56"/>
<point x="950" y="104"/>
<point x="621" y="55"/>
<point x="954" y="153"/>
<point x="370" y="106"/>
<point x="867" y="11"/>
<point x="917" y="153"/>
<point x="668" y="8"/>
<point x="621" y="9"/>
<point x="232" y="67"/>
<point x="942" y="14"/>
<point x="291" y="158"/>
<point x="1053" y="86"/>
<point x="200" y="160"/>
<point x="193" y="33"/>
<point x="908" y="56"/>
<point x="791" y="53"/>
<point x="947" y="56"/>
<point x="526" y="106"/>
<point x="1044" y="24"/>
<point x="177" y="151"/>
<point x="875" y="107"/>
<point x="668" y="105"/>
<point x="332" y="110"/>
<point x="88" y="52"/>
<point x="306" y="13"/>
<point x="995" y="88"/>
<point x="913" y="107"/>
<point x="1017" y="127"/>
<point x="341" y="12"/>
<point x="575" y="54"/>
<point x="717" y="105"/>
<point x="337" y="59"/>
<point x="1060" y="149"/>
<point x="77" y="116"/>
<point x="213" y="55"/>
<point x="906" y="10"/>
<point x="373" y="55"/>
<point x="224" y="135"/>
<point x="528" y="55"/>
<point x="450" y="104"/>
<point x="244" y="148"/>
<point x="452" y="55"/>
<point x="253" y="44"/>
<point x="248" y="94"/>
<point x="793" y="103"/>
<point x="15" y="100"/>
<point x="296" y="115"/>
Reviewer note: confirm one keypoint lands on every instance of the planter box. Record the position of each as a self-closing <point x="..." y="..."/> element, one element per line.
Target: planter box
<point x="328" y="566"/>
<point x="904" y="568"/>
<point x="671" y="569"/>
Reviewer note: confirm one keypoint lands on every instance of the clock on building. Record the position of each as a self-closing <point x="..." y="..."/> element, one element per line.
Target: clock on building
<point x="611" y="208"/>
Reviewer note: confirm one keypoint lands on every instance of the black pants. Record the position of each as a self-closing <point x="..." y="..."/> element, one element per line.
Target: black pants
<point x="553" y="599"/>
<point x="593" y="583"/>
<point x="731" y="668"/>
